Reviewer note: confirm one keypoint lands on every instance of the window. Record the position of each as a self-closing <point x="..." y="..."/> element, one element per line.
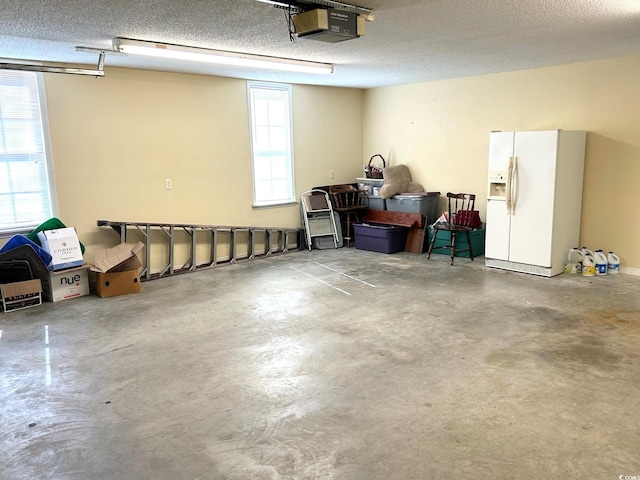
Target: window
<point x="271" y="145"/>
<point x="25" y="188"/>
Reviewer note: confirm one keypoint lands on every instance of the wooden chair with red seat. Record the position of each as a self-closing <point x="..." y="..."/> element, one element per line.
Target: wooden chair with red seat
<point x="460" y="219"/>
<point x="348" y="201"/>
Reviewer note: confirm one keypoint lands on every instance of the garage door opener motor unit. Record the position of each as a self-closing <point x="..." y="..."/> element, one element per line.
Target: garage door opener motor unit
<point x="329" y="25"/>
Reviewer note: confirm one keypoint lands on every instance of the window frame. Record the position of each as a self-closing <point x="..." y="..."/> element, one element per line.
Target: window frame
<point x="288" y="132"/>
<point x="6" y="231"/>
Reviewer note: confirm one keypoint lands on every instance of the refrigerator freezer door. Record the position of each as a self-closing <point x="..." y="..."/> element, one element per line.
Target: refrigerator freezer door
<point x="532" y="221"/>
<point x="500" y="150"/>
<point x="498" y="219"/>
<point x="497" y="230"/>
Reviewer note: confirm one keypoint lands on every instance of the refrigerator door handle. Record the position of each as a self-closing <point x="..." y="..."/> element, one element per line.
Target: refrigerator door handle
<point x="508" y="188"/>
<point x="514" y="185"/>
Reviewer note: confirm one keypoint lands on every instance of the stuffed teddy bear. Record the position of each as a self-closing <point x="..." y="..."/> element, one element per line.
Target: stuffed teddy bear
<point x="398" y="180"/>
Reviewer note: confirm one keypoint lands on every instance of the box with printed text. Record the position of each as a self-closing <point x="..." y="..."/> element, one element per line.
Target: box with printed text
<point x="66" y="284"/>
<point x="63" y="246"/>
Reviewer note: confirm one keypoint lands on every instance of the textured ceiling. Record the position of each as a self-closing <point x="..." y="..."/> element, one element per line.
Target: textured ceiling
<point x="409" y="40"/>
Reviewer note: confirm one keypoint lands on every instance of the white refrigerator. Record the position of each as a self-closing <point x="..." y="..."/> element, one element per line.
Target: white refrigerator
<point x="534" y="199"/>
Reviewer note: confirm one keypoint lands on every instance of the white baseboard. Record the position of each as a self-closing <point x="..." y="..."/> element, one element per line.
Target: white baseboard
<point x="630" y="271"/>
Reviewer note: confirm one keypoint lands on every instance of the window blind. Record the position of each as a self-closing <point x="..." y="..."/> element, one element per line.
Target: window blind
<point x="25" y="191"/>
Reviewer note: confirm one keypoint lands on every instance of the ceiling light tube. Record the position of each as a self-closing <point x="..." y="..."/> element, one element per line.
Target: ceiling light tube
<point x="98" y="72"/>
<point x="221" y="57"/>
<point x="52" y="69"/>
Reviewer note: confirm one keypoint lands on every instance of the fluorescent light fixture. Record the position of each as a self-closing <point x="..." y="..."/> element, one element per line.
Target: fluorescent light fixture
<point x="221" y="57"/>
<point x="51" y="69"/>
<point x="98" y="72"/>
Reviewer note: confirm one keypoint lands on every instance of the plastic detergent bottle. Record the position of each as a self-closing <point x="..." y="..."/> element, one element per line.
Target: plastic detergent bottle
<point x="586" y="251"/>
<point x="574" y="261"/>
<point x="588" y="266"/>
<point x="613" y="264"/>
<point x="601" y="262"/>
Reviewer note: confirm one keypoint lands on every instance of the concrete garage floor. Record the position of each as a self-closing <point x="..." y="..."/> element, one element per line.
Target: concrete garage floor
<point x="328" y="365"/>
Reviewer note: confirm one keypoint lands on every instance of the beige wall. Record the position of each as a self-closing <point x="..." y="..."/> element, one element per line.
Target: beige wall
<point x="115" y="141"/>
<point x="441" y="131"/>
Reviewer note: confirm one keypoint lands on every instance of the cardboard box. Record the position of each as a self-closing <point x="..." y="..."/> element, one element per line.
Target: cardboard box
<point x="117" y="283"/>
<point x="63" y="246"/>
<point x="380" y="238"/>
<point x="117" y="259"/>
<point x="66" y="284"/>
<point x="19" y="295"/>
<point x="117" y="270"/>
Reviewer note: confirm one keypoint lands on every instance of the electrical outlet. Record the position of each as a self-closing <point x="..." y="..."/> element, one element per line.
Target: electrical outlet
<point x="332" y="174"/>
<point x="167" y="184"/>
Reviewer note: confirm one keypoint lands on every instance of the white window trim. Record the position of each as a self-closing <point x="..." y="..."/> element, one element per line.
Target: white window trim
<point x="288" y="89"/>
<point x="48" y="153"/>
